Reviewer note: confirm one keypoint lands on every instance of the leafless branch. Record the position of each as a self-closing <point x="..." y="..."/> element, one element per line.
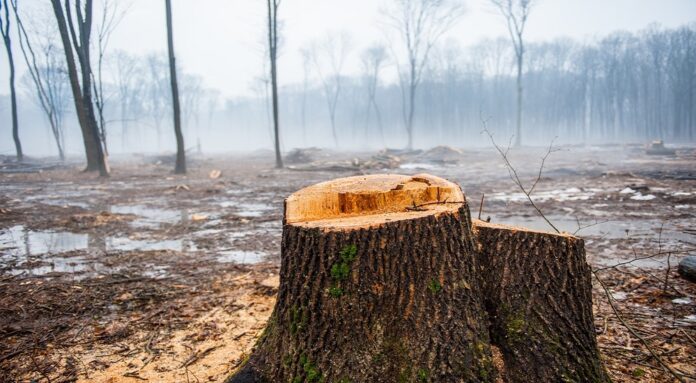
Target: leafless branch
<point x="633" y="332"/>
<point x="514" y="175"/>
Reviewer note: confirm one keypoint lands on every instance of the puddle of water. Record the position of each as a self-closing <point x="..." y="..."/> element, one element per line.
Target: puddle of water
<point x="127" y="244"/>
<point x="682" y="301"/>
<point x="645" y="263"/>
<point x="254" y="209"/>
<point x="240" y="256"/>
<point x="569" y="194"/>
<point x="411" y="166"/>
<point x="149" y="216"/>
<point x="59" y="265"/>
<point x="244" y="233"/>
<point x="19" y="240"/>
<point x="207" y="233"/>
<point x="640" y="197"/>
<point x="65" y="202"/>
<point x="621" y="229"/>
<point x="156" y="271"/>
<point x="618" y="295"/>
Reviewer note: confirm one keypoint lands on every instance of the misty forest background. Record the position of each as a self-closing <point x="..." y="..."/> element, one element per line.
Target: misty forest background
<point x="622" y="87"/>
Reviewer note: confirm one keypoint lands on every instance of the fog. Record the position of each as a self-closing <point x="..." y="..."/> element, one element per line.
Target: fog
<point x="624" y="73"/>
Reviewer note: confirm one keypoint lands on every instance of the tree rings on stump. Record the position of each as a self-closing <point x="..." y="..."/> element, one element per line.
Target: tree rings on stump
<point x="384" y="279"/>
<point x="378" y="283"/>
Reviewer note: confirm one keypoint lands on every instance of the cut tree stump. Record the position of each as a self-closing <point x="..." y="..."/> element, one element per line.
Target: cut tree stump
<point x="381" y="281"/>
<point x="538" y="293"/>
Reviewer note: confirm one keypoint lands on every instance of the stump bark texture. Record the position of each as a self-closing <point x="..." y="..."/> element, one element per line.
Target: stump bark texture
<point x="383" y="279"/>
<point x="538" y="294"/>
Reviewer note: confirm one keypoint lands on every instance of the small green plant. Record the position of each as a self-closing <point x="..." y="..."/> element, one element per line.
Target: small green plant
<point x="434" y="286"/>
<point x="340" y="271"/>
<point x="515" y="326"/>
<point x="335" y="291"/>
<point x="311" y="371"/>
<point x="422" y="375"/>
<point x="348" y="253"/>
<point x="638" y="372"/>
<point x="298" y="319"/>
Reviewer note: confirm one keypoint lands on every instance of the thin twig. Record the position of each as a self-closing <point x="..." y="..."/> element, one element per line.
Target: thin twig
<point x="630" y="329"/>
<point x="515" y="177"/>
<point x="481" y="206"/>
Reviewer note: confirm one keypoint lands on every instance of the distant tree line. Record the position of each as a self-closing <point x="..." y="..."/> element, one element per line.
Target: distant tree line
<point x="626" y="86"/>
<point x="416" y="91"/>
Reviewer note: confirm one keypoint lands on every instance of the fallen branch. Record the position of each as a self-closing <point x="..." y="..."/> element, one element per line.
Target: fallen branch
<point x="630" y="329"/>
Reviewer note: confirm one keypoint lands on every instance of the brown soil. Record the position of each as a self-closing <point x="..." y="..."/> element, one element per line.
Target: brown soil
<point x="142" y="288"/>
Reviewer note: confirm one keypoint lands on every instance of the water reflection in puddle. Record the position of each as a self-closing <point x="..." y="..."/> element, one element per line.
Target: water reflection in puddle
<point x="149" y="216"/>
<point x="254" y="210"/>
<point x="240" y="256"/>
<point x="19" y="241"/>
<point x="248" y="209"/>
<point x="411" y="166"/>
<point x="605" y="229"/>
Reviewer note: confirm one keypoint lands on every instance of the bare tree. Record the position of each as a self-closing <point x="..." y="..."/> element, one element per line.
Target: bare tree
<point x="76" y="35"/>
<point x="306" y="63"/>
<point x="180" y="167"/>
<point x="191" y="95"/>
<point x="5" y="31"/>
<point x="419" y="25"/>
<point x="157" y="101"/>
<point x="373" y="59"/>
<point x="516" y="13"/>
<point x="130" y="91"/>
<point x="47" y="76"/>
<point x="111" y="15"/>
<point x="273" y="56"/>
<point x="333" y="50"/>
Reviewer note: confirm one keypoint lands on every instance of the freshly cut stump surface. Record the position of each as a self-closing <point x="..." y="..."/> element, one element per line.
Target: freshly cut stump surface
<point x="384" y="279"/>
<point x="378" y="283"/>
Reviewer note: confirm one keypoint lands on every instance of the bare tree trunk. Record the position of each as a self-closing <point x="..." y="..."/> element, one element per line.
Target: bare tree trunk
<point x="13" y="101"/>
<point x="411" y="112"/>
<point x="518" y="128"/>
<point x="5" y="29"/>
<point x="180" y="149"/>
<point x="273" y="52"/>
<point x="82" y="97"/>
<point x="56" y="135"/>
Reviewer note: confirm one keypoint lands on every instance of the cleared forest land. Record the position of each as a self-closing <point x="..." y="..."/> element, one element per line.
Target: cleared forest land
<point x="160" y="277"/>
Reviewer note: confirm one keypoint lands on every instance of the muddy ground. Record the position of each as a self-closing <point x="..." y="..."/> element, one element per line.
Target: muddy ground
<point x="150" y="276"/>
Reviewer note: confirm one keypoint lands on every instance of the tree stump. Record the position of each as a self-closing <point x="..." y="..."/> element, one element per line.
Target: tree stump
<point x="378" y="283"/>
<point x="383" y="279"/>
<point x="538" y="294"/>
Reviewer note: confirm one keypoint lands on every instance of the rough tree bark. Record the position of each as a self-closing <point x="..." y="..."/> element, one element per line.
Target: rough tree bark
<point x="384" y="280"/>
<point x="6" y="37"/>
<point x="386" y="297"/>
<point x="82" y="95"/>
<point x="180" y="167"/>
<point x="273" y="56"/>
<point x="538" y="293"/>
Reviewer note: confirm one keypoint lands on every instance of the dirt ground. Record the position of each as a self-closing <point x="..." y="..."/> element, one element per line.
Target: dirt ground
<point x="150" y="276"/>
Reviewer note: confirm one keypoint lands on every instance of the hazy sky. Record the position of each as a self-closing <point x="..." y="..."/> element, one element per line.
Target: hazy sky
<point x="221" y="40"/>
